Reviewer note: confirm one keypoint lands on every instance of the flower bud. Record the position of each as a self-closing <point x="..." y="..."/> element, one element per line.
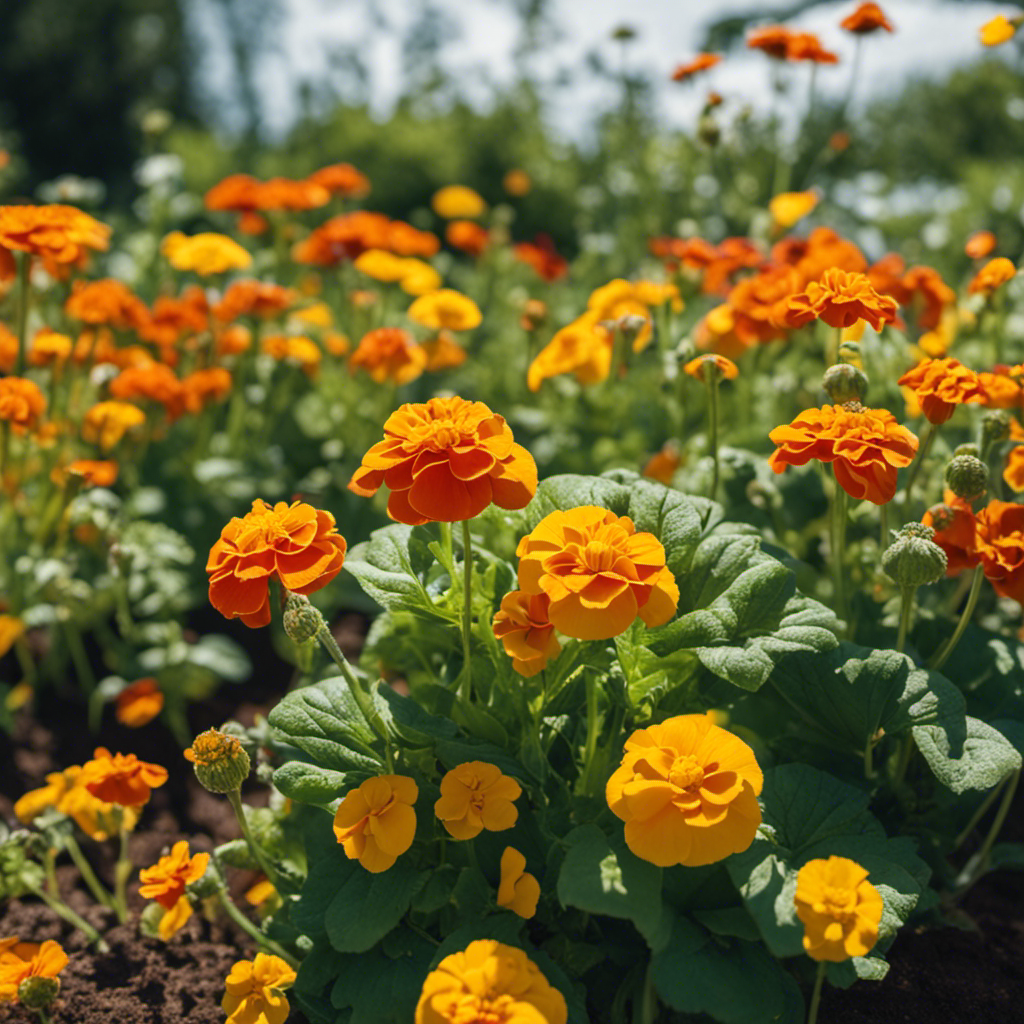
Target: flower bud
<point x="208" y="884"/>
<point x="967" y="449"/>
<point x="708" y="131"/>
<point x="38" y="992"/>
<point x="967" y="477"/>
<point x="995" y="426"/>
<point x="849" y="352"/>
<point x="913" y="558"/>
<point x="844" y="382"/>
<point x="301" y="620"/>
<point x="220" y="762"/>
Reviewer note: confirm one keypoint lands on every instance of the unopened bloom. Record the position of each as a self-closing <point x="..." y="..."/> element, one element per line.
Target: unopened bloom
<point x="993" y="275"/>
<point x="166" y="880"/>
<point x="121" y="778"/>
<point x="867" y="18"/>
<point x="376" y="823"/>
<point x="839" y="298"/>
<point x="296" y="544"/>
<point x="445" y="308"/>
<point x="489" y="982"/>
<point x="840" y="909"/>
<point x="518" y="890"/>
<point x="20" y="961"/>
<point x="941" y="385"/>
<point x="687" y="791"/>
<point x="477" y="796"/>
<point x="458" y="202"/>
<point x="597" y="571"/>
<point x="866" y="447"/>
<point x="205" y="253"/>
<point x="446" y="460"/>
<point x="139" y="703"/>
<point x="219" y="760"/>
<point x="522" y="626"/>
<point x="254" y="991"/>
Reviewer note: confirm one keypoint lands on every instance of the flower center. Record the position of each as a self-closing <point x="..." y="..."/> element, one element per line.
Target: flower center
<point x="598" y="556"/>
<point x="839" y="903"/>
<point x="481" y="1010"/>
<point x="686" y="772"/>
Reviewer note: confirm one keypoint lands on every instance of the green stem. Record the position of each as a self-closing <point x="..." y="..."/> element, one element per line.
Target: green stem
<point x="839" y="549"/>
<point x="819" y="980"/>
<point x="44" y="1017"/>
<point x="946" y="650"/>
<point x="906" y="614"/>
<point x="122" y="871"/>
<point x="933" y="429"/>
<point x="883" y="528"/>
<point x="24" y="297"/>
<point x="646" y="1010"/>
<point x="869" y="770"/>
<point x="79" y="658"/>
<point x="99" y="893"/>
<point x="590" y="749"/>
<point x="65" y="912"/>
<point x="981" y="858"/>
<point x="978" y="815"/>
<point x="711" y="374"/>
<point x="50" y="867"/>
<point x="266" y="866"/>
<point x="467" y="610"/>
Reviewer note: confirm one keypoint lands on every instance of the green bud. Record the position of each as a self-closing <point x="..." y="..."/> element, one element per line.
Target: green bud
<point x="206" y="885"/>
<point x="845" y="382"/>
<point x="967" y="449"/>
<point x="849" y="352"/>
<point x="38" y="992"/>
<point x="967" y="477"/>
<point x="708" y="131"/>
<point x="220" y="762"/>
<point x="301" y="620"/>
<point x="236" y="854"/>
<point x="913" y="558"/>
<point x="995" y="426"/>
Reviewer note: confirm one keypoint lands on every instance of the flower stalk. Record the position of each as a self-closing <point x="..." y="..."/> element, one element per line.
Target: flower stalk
<point x="942" y="655"/>
<point x="819" y="981"/>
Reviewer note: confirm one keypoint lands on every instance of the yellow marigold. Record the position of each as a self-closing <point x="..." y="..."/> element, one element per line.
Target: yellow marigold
<point x="107" y="422"/>
<point x="458" y="202"/>
<point x="941" y="385"/>
<point x="139" y="703"/>
<point x="583" y="348"/>
<point x="489" y="982"/>
<point x="993" y="275"/>
<point x="48" y="348"/>
<point x="64" y="791"/>
<point x="20" y="961"/>
<point x="258" y="894"/>
<point x="445" y="308"/>
<point x="376" y="823"/>
<point x="516" y="182"/>
<point x="254" y="991"/>
<point x="840" y="909"/>
<point x="443" y="352"/>
<point x="166" y="880"/>
<point x="619" y="299"/>
<point x="522" y="626"/>
<point x="477" y="796"/>
<point x="999" y="29"/>
<point x="420" y="278"/>
<point x="598" y="573"/>
<point x="303" y="352"/>
<point x="11" y="628"/>
<point x="518" y="890"/>
<point x="382" y="265"/>
<point x="687" y="791"/>
<point x="28" y="807"/>
<point x="788" y="207"/>
<point x="205" y="253"/>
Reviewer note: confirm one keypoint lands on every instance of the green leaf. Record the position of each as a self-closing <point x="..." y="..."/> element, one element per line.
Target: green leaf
<point x="986" y="759"/>
<point x="324" y="721"/>
<point x="309" y="783"/>
<point x="808" y="814"/>
<point x="412" y="723"/>
<point x="316" y="976"/>
<point x="731" y="980"/>
<point x="604" y="879"/>
<point x="392" y="567"/>
<point x="365" y="906"/>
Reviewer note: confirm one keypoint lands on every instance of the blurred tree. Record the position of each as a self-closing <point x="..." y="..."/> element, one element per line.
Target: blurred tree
<point x="77" y="74"/>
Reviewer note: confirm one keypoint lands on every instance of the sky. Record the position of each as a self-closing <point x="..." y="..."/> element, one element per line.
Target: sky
<point x="931" y="37"/>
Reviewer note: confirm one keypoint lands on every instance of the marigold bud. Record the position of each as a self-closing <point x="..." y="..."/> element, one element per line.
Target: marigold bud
<point x="914" y="559"/>
<point x="220" y="762"/>
<point x="38" y="992"/>
<point x="708" y="131"/>
<point x="301" y="620"/>
<point x="844" y="382"/>
<point x="995" y="426"/>
<point x="967" y="477"/>
<point x="967" y="449"/>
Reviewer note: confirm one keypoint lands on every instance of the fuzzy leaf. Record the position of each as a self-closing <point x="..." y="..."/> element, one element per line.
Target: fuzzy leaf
<point x="986" y="758"/>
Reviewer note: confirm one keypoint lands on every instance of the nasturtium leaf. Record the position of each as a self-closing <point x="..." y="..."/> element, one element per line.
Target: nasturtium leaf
<point x="325" y="722"/>
<point x="986" y="758"/>
<point x="809" y="814"/>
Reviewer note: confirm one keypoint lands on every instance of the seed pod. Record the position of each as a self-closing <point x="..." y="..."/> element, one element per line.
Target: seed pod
<point x="845" y="382"/>
<point x="38" y="992"/>
<point x="967" y="477"/>
<point x="913" y="558"/>
<point x="220" y="762"/>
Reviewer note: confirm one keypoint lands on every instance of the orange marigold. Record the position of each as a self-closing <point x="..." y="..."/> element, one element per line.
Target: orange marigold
<point x="48" y="348"/>
<point x="153" y="382"/>
<point x="250" y="297"/>
<point x="1013" y="471"/>
<point x="166" y="880"/>
<point x="866" y="447"/>
<point x="446" y="460"/>
<point x="840" y="298"/>
<point x="121" y="778"/>
<point x="993" y="275"/>
<point x="772" y="40"/>
<point x="702" y="62"/>
<point x="1000" y="540"/>
<point x="107" y="302"/>
<point x="201" y="387"/>
<point x="941" y="385"/>
<point x="598" y="573"/>
<point x="237" y="192"/>
<point x="662" y="466"/>
<point x="582" y="348"/>
<point x="290" y="195"/>
<point x="523" y="627"/>
<point x="93" y="472"/>
<point x="21" y="403"/>
<point x="980" y="245"/>
<point x="341" y="180"/>
<point x="59" y="234"/>
<point x="868" y="17"/>
<point x="139" y="703"/>
<point x="20" y="961"/>
<point x="722" y="367"/>
<point x="295" y="544"/>
<point x="807" y="46"/>
<point x="541" y="255"/>
<point x="468" y="236"/>
<point x="956" y="532"/>
<point x="389" y="354"/>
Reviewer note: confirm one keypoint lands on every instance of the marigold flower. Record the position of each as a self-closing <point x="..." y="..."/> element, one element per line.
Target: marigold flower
<point x="724" y="368"/>
<point x="107" y="302"/>
<point x="518" y="890"/>
<point x="21" y="403"/>
<point x="30" y="805"/>
<point x="174" y="919"/>
<point x="11" y="629"/>
<point x="1001" y="391"/>
<point x="443" y="352"/>
<point x="419" y="278"/>
<point x="956" y="532"/>
<point x="139" y="703"/>
<point x="926" y="284"/>
<point x="251" y="297"/>
<point x="219" y="760"/>
<point x="446" y="308"/>
<point x="840" y="909"/>
<point x="254" y="991"/>
<point x="59" y="234"/>
<point x="999" y="29"/>
<point x="993" y="275"/>
<point x="807" y="46"/>
<point x="8" y="349"/>
<point x="153" y="382"/>
<point x="458" y="202"/>
<point x="48" y="348"/>
<point x="702" y="62"/>
<point x="166" y="880"/>
<point x="233" y="340"/>
<point x="205" y="253"/>
<point x="477" y="796"/>
<point x="98" y="819"/>
<point x="866" y="447"/>
<point x="582" y="348"/>
<point x="237" y="192"/>
<point x="840" y="299"/>
<point x="663" y="465"/>
<point x="121" y="778"/>
<point x="541" y="255"/>
<point x="389" y="354"/>
<point x="1013" y="471"/>
<point x="598" y="573"/>
<point x="516" y="182"/>
<point x="941" y="385"/>
<point x="446" y="460"/>
<point x="1000" y="541"/>
<point x="687" y="791"/>
<point x="22" y="960"/>
<point x="107" y="422"/>
<point x="867" y="18"/>
<point x="295" y="544"/>
<point x="788" y="207"/>
<point x="376" y="823"/>
<point x="772" y="40"/>
<point x="92" y="472"/>
<point x="522" y="626"/>
<point x="341" y="180"/>
<point x="980" y="245"/>
<point x="468" y="236"/>
<point x="290" y="195"/>
<point x="258" y="894"/>
<point x="489" y="981"/>
<point x="202" y="387"/>
<point x="382" y="265"/>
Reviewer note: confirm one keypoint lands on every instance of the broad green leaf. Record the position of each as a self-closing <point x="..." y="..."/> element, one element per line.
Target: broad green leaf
<point x="392" y="567"/>
<point x="317" y="974"/>
<point x="309" y="783"/>
<point x="808" y="814"/>
<point x="324" y="721"/>
<point x="412" y="723"/>
<point x="602" y="878"/>
<point x="986" y="758"/>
